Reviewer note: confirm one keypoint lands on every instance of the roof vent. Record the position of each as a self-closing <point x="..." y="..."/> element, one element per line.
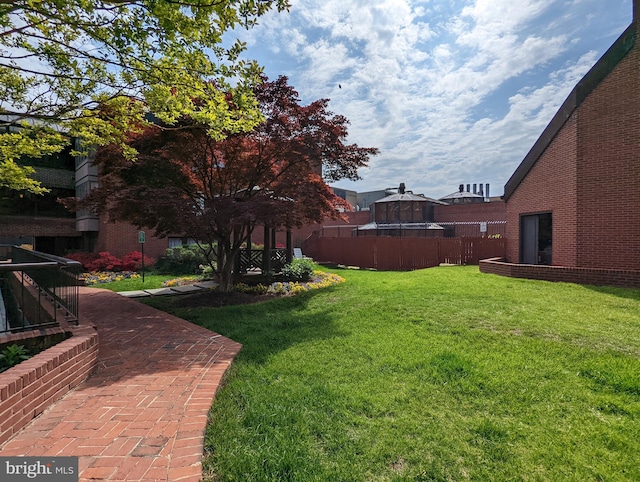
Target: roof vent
<point x="401" y="188"/>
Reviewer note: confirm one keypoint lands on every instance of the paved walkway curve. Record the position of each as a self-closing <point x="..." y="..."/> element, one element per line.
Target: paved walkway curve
<point x="143" y="414"/>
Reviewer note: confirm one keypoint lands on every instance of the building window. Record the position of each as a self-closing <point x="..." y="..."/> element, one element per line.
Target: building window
<point x="177" y="242"/>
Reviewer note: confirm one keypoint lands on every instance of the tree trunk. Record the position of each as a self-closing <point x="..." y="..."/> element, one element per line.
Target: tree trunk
<point x="225" y="276"/>
<point x="224" y="267"/>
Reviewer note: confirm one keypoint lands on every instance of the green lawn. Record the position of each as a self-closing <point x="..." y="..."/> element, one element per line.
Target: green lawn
<point x="440" y="374"/>
<point x="150" y="281"/>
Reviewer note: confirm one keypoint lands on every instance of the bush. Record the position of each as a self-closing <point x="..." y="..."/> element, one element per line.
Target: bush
<point x="105" y="261"/>
<point x="182" y="260"/>
<point x="206" y="271"/>
<point x="12" y="355"/>
<point x="133" y="261"/>
<point x="298" y="270"/>
<point x="85" y="259"/>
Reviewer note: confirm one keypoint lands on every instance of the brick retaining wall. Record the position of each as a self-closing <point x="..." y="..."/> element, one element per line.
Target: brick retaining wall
<point x="27" y="389"/>
<point x="586" y="276"/>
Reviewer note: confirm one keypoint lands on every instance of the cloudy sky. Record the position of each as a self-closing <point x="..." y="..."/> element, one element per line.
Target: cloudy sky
<point x="450" y="91"/>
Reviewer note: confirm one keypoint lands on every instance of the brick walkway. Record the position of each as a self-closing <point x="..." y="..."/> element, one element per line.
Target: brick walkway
<point x="142" y="415"/>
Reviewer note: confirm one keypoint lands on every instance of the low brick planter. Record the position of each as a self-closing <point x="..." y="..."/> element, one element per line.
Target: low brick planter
<point x="567" y="274"/>
<point x="27" y="389"/>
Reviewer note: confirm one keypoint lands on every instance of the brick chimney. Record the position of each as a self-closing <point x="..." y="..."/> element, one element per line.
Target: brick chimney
<point x="636" y="10"/>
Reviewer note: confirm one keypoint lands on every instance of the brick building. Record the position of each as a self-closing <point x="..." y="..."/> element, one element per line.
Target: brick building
<point x="40" y="220"/>
<point x="45" y="224"/>
<point x="495" y="210"/>
<point x="574" y="201"/>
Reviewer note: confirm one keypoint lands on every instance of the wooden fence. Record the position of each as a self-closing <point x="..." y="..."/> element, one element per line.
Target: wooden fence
<point x="402" y="254"/>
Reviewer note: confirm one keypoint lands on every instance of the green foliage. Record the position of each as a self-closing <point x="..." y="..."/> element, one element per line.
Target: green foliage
<point x="439" y="374"/>
<point x="207" y="271"/>
<point x="298" y="270"/>
<point x="217" y="192"/>
<point x="12" y="355"/>
<point x="18" y="177"/>
<point x="105" y="261"/>
<point x="135" y="283"/>
<point x="102" y="65"/>
<point x="189" y="259"/>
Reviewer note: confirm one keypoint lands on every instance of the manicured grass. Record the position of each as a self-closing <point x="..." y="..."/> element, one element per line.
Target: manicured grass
<point x="150" y="281"/>
<point x="440" y="374"/>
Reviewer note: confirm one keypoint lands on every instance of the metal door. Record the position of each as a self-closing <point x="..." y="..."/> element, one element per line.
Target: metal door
<point x="529" y="239"/>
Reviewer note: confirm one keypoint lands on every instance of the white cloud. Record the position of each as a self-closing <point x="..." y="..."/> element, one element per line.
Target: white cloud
<point x="448" y="94"/>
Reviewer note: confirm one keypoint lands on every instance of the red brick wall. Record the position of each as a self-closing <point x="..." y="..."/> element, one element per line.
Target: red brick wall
<point x="609" y="170"/>
<point x="16" y="226"/>
<point x="493" y="211"/>
<point x="27" y="389"/>
<point x="550" y="186"/>
<point x="121" y="239"/>
<point x="298" y="235"/>
<point x="589" y="178"/>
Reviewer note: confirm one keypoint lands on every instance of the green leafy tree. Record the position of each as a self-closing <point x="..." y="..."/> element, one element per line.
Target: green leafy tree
<point x="93" y="69"/>
<point x="218" y="190"/>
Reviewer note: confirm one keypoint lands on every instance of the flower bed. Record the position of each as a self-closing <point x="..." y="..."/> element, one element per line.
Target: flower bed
<point x="181" y="281"/>
<point x="319" y="279"/>
<point x="99" y="277"/>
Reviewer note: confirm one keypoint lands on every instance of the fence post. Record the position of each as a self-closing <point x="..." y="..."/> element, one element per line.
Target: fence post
<point x="289" y="247"/>
<point x="266" y="252"/>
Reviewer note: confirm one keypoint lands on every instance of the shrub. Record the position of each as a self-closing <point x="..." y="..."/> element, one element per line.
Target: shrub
<point x="133" y="261"/>
<point x="298" y="270"/>
<point x="182" y="260"/>
<point x="83" y="258"/>
<point x="105" y="261"/>
<point x="12" y="355"/>
<point x="206" y="271"/>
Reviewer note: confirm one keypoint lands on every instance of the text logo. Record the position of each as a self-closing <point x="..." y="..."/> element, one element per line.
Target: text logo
<point x="52" y="469"/>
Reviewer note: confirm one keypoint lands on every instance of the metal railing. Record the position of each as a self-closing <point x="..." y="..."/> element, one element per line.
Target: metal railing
<point x="37" y="290"/>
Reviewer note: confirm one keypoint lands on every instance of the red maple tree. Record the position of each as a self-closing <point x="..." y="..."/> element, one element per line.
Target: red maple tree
<point x="218" y="190"/>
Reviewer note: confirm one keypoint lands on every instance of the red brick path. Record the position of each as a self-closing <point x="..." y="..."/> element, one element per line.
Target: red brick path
<point x="142" y="415"/>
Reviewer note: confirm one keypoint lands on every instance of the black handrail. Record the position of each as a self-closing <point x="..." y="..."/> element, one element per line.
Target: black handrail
<point x="37" y="290"/>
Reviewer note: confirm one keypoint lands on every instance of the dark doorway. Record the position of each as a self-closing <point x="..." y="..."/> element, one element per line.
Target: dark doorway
<point x="58" y="245"/>
<point x="535" y="239"/>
